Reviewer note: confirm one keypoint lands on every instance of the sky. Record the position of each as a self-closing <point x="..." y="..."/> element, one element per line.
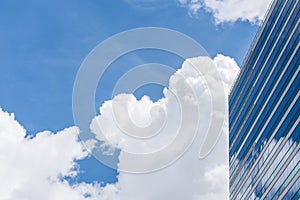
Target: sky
<point x="43" y="44"/>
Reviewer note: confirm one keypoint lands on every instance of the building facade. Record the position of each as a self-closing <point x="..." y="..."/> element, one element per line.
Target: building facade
<point x="264" y="110"/>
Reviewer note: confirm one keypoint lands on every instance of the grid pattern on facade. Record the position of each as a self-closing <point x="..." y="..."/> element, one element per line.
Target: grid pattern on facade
<point x="264" y="110"/>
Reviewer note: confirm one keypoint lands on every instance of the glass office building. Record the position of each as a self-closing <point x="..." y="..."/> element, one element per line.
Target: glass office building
<point x="264" y="109"/>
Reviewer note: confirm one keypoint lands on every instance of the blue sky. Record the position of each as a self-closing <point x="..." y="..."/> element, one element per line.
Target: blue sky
<point x="42" y="44"/>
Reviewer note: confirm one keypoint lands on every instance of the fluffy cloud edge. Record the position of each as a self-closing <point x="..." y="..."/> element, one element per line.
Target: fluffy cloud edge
<point x="35" y="168"/>
<point x="229" y="10"/>
<point x="195" y="179"/>
<point x="38" y="167"/>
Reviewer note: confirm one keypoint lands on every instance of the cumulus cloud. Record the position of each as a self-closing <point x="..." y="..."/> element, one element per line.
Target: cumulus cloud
<point x="189" y="177"/>
<point x="36" y="168"/>
<point x="229" y="10"/>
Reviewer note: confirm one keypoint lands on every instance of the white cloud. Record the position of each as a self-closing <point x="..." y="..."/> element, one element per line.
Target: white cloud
<point x="188" y="177"/>
<point x="34" y="168"/>
<point x="229" y="10"/>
